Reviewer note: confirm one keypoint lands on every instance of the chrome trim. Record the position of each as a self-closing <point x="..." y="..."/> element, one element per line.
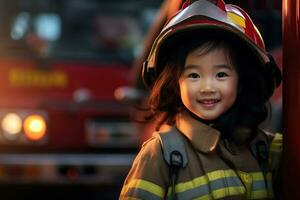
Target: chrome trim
<point x="67" y="159"/>
<point x="200" y="8"/>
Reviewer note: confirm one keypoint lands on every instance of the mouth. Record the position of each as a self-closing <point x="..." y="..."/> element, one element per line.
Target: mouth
<point x="208" y="103"/>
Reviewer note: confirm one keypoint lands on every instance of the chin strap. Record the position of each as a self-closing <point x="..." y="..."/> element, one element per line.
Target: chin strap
<point x="275" y="70"/>
<point x="196" y="117"/>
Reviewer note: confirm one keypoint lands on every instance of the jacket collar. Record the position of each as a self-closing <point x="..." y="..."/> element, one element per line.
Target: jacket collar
<point x="203" y="137"/>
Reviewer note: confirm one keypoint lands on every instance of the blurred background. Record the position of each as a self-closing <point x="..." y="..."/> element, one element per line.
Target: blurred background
<point x="70" y="85"/>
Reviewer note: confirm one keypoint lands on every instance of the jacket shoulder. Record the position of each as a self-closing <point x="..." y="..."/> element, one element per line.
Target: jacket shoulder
<point x="274" y="139"/>
<point x="148" y="174"/>
<point x="151" y="150"/>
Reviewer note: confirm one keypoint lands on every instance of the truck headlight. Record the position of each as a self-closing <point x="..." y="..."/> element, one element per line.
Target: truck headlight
<point x="35" y="127"/>
<point x="11" y="125"/>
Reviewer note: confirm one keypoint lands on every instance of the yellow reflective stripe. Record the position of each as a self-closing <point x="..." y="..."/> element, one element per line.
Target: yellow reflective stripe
<point x="247" y="181"/>
<point x="182" y="187"/>
<point x="221" y="174"/>
<point x="144" y="185"/>
<point x="212" y="181"/>
<point x="269" y="176"/>
<point x="257" y="176"/>
<point x="270" y="184"/>
<point x="276" y="144"/>
<point x="276" y="147"/>
<point x="251" y="179"/>
<point x="228" y="191"/>
<point x="278" y="136"/>
<point x="259" y="194"/>
<point x="202" y="180"/>
<point x="132" y="198"/>
<point x="275" y="152"/>
<point x="236" y="19"/>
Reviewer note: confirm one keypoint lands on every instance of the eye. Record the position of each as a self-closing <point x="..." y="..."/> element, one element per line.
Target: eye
<point x="193" y="75"/>
<point x="222" y="75"/>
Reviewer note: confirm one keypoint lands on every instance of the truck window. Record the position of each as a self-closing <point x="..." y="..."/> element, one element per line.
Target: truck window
<point x="109" y="31"/>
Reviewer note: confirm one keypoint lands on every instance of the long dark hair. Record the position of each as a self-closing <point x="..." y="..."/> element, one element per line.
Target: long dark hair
<point x="249" y="109"/>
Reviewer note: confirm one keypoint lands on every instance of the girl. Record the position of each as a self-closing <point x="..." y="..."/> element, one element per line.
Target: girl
<point x="209" y="78"/>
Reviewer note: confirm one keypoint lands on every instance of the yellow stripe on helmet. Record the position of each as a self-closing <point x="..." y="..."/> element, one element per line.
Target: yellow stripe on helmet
<point x="236" y="19"/>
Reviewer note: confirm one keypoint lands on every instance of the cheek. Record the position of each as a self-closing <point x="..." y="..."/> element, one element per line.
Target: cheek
<point x="182" y="89"/>
<point x="184" y="92"/>
<point x="230" y="90"/>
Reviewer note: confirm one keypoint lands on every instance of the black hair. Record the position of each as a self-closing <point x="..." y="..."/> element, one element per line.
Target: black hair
<point x="249" y="109"/>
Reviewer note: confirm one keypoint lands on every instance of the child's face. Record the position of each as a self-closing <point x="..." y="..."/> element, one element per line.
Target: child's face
<point x="208" y="84"/>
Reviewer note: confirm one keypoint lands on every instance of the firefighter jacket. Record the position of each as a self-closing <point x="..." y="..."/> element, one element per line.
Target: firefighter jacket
<point x="216" y="169"/>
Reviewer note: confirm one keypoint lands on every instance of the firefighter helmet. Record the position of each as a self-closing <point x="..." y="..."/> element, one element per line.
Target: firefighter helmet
<point x="205" y="17"/>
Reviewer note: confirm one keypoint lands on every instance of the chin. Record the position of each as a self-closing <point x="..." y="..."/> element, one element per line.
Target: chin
<point x="206" y="118"/>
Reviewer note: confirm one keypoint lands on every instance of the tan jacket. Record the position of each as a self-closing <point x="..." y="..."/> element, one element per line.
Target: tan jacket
<point x="216" y="169"/>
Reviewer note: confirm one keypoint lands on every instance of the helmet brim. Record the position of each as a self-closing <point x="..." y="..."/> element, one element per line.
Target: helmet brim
<point x="170" y="41"/>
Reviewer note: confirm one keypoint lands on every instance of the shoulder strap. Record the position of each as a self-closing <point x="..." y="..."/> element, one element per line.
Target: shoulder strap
<point x="275" y="154"/>
<point x="174" y="154"/>
<point x="173" y="146"/>
<point x="260" y="149"/>
<point x="274" y="142"/>
<point x="275" y="160"/>
<point x="270" y="157"/>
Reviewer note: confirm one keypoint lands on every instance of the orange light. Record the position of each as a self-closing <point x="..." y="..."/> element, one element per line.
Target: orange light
<point x="35" y="127"/>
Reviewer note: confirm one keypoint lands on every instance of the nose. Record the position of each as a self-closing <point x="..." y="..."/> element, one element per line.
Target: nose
<point x="207" y="86"/>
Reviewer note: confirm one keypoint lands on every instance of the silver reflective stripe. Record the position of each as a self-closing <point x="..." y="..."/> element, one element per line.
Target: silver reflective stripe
<point x="203" y="190"/>
<point x="259" y="185"/>
<point x="140" y="194"/>
<point x="207" y="188"/>
<point x="270" y="185"/>
<point x="225" y="182"/>
<point x="200" y="8"/>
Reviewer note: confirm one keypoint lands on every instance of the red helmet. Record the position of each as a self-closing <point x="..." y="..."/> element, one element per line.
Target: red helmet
<point x="207" y="17"/>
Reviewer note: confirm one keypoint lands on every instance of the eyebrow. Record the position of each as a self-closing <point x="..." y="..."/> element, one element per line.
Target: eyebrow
<point x="230" y="67"/>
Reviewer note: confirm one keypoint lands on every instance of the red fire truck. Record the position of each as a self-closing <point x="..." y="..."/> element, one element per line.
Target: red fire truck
<point x="60" y="63"/>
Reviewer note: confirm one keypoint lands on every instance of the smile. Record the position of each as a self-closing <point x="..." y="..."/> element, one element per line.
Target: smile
<point x="208" y="103"/>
